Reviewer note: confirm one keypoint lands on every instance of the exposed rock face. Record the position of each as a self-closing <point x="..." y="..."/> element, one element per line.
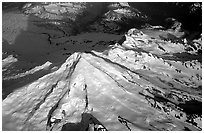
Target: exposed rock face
<point x="94" y="78"/>
<point x="173" y="24"/>
<point x="119" y="17"/>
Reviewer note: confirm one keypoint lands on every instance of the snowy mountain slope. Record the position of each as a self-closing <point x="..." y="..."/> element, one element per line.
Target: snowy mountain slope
<point x="68" y="71"/>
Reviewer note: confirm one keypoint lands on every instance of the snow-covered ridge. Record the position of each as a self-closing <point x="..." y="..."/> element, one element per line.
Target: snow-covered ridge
<point x="120" y="83"/>
<point x="75" y="69"/>
<point x="32" y="71"/>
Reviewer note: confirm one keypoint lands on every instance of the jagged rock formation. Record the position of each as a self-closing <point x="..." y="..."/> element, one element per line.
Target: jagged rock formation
<point x="97" y="79"/>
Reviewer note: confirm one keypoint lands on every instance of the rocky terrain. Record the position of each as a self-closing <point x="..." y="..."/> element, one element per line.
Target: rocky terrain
<point x="99" y="67"/>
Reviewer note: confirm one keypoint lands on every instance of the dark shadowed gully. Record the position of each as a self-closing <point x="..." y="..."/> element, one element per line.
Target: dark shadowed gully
<point x="105" y="66"/>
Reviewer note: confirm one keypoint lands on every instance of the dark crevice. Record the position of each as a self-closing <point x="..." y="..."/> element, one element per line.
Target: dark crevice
<point x="123" y="121"/>
<point x="41" y="102"/>
<point x="72" y="68"/>
<point x="49" y="37"/>
<point x="160" y="47"/>
<point x="126" y="122"/>
<point x="131" y="81"/>
<point x="65" y="91"/>
<point x="86" y="98"/>
<point x="158" y="98"/>
<point x="186" y="129"/>
<point x="114" y="63"/>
